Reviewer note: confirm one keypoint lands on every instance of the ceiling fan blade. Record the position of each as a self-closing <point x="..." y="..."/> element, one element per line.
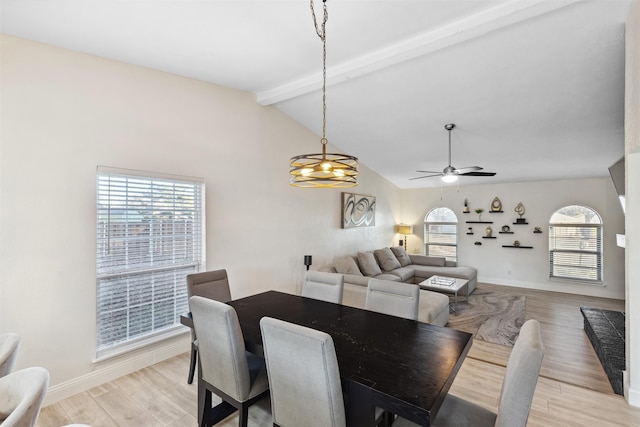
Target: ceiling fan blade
<point x="478" y="174"/>
<point x="462" y="171"/>
<point x="436" y="172"/>
<point x="426" y="176"/>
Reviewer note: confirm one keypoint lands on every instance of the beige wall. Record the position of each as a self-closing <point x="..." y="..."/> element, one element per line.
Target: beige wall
<point x="632" y="155"/>
<point x="64" y="113"/>
<point x="527" y="268"/>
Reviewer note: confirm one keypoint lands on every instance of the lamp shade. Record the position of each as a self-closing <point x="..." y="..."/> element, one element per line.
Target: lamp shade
<point x="405" y="229"/>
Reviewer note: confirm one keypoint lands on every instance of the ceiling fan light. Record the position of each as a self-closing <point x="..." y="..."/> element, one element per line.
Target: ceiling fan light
<point x="448" y="178"/>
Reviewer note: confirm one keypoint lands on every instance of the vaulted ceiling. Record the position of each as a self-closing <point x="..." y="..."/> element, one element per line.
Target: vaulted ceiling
<point x="535" y="87"/>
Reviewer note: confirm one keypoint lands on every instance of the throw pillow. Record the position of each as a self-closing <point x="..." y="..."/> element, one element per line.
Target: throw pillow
<point x="368" y="264"/>
<point x="346" y="265"/>
<point x="402" y="255"/>
<point x="386" y="259"/>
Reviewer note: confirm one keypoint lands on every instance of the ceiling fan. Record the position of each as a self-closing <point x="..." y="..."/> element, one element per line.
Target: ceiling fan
<point x="451" y="174"/>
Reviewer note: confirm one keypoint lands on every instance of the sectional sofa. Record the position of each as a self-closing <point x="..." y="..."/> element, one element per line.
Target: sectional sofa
<point x="396" y="265"/>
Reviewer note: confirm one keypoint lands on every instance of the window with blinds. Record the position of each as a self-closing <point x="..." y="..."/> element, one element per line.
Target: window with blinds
<point x="441" y="233"/>
<point x="575" y="244"/>
<point x="149" y="237"/>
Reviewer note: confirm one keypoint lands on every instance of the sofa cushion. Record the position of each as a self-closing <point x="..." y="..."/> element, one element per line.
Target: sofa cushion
<point x="401" y="254"/>
<point x="435" y="261"/>
<point x="386" y="259"/>
<point x="368" y="264"/>
<point x="404" y="273"/>
<point x="346" y="265"/>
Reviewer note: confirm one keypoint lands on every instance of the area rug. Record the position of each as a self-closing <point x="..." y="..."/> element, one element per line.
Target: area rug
<point x="490" y="316"/>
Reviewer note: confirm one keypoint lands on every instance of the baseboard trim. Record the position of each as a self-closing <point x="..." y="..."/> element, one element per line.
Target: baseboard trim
<point x="100" y="376"/>
<point x="634" y="397"/>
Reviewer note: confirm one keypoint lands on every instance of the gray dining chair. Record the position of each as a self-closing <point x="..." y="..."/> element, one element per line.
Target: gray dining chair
<point x="21" y="396"/>
<point x="304" y="378"/>
<point x="323" y="286"/>
<point x="9" y="343"/>
<point x="209" y="284"/>
<point x="394" y="298"/>
<point x="518" y="387"/>
<point x="227" y="369"/>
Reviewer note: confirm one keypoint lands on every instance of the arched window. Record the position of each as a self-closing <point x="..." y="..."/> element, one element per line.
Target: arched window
<point x="575" y="244"/>
<point x="441" y="233"/>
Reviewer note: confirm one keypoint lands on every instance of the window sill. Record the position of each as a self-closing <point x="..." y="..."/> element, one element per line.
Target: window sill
<point x="110" y="353"/>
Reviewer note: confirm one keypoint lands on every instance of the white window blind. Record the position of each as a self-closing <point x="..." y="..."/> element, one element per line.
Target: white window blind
<point x="149" y="237"/>
<point x="575" y="244"/>
<point x="441" y="233"/>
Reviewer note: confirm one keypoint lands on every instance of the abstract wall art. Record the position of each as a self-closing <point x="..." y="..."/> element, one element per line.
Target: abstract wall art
<point x="358" y="210"/>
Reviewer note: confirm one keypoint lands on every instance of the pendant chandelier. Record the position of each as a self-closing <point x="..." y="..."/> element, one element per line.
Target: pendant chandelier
<point x="323" y="170"/>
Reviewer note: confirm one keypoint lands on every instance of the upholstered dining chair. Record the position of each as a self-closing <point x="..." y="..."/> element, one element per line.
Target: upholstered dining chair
<point x="518" y="387"/>
<point x="394" y="298"/>
<point x="304" y="378"/>
<point x="323" y="286"/>
<point x="8" y="350"/>
<point x="228" y="370"/>
<point x="22" y="394"/>
<point x="209" y="284"/>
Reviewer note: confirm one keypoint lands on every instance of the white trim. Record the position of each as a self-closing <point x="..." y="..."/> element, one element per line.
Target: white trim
<point x="460" y="31"/>
<point x="136" y="344"/>
<point x="634" y="397"/>
<point x="103" y="375"/>
<point x="147" y="174"/>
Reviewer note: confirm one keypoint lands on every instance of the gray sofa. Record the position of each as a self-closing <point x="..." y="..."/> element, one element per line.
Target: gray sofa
<point x="396" y="265"/>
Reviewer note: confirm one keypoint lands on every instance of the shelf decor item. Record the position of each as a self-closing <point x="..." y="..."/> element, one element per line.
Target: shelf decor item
<point x="519" y="209"/>
<point x="506" y="228"/>
<point x="488" y="231"/>
<point x="479" y="212"/>
<point x="496" y="205"/>
<point x="466" y="207"/>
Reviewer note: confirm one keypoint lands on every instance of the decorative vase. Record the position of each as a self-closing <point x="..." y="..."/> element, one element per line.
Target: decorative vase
<point x="488" y="231"/>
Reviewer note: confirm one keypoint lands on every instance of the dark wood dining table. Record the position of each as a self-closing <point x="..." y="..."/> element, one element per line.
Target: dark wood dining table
<point x="403" y="366"/>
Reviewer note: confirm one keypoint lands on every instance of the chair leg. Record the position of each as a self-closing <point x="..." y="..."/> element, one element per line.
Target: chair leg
<point x="192" y="366"/>
<point x="243" y="413"/>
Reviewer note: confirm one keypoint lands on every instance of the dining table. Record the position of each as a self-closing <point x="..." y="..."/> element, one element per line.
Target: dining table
<point x="402" y="366"/>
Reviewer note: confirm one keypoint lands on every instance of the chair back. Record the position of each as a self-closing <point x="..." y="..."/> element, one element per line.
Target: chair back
<point x="22" y="395"/>
<point x="394" y="298"/>
<point x="221" y="347"/>
<point x="209" y="284"/>
<point x="304" y="378"/>
<point x="521" y="377"/>
<point x="323" y="286"/>
<point x="8" y="352"/>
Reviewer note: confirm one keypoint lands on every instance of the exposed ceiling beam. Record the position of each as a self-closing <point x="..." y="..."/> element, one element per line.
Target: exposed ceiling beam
<point x="468" y="28"/>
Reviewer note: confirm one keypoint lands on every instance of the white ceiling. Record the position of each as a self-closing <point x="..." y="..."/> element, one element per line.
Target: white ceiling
<point x="536" y="88"/>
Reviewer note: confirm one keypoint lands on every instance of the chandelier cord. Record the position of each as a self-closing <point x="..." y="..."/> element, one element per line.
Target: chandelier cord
<point x="322" y="33"/>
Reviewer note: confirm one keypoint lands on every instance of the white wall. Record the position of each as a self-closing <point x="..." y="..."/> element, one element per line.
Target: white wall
<point x="64" y="113"/>
<point x="632" y="162"/>
<point x="527" y="268"/>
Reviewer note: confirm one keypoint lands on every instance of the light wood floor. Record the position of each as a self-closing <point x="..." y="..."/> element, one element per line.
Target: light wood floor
<point x="572" y="390"/>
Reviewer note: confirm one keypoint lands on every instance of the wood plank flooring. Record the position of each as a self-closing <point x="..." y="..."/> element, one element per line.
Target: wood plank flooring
<point x="572" y="390"/>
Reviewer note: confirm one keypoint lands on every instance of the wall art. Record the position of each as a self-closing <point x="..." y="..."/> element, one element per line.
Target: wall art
<point x="358" y="210"/>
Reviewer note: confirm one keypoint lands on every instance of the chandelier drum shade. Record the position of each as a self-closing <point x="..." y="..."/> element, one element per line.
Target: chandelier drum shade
<point x="323" y="170"/>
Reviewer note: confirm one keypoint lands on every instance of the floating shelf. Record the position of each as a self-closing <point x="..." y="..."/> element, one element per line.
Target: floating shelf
<point x="505" y="232"/>
<point x="537" y="232"/>
<point x="469" y="234"/>
<point x="479" y="222"/>
<point x="517" y="247"/>
<point x="489" y="237"/>
<point x="496" y="211"/>
<point x="520" y="223"/>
